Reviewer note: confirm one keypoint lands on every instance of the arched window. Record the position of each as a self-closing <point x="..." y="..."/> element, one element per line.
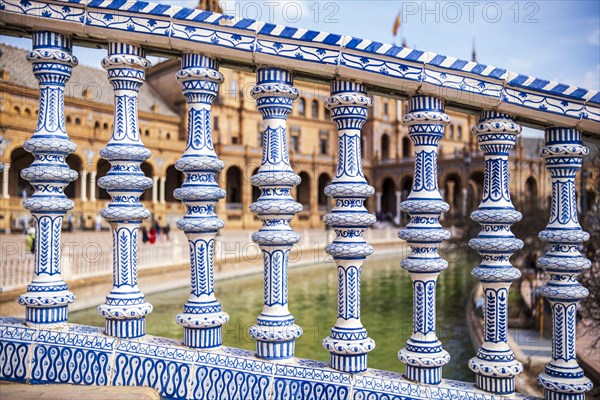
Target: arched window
<point x="303" y="191"/>
<point x="234" y="188"/>
<point x="147" y="132"/>
<point x="255" y="189"/>
<point x="69" y="120"/>
<point x="385" y="147"/>
<point x="97" y="125"/>
<point x="28" y="112"/>
<point x="388" y="200"/>
<point x="301" y="107"/>
<point x="459" y="136"/>
<point x="19" y="160"/>
<point x="77" y="121"/>
<point x="324" y="141"/>
<point x="314" y="109"/>
<point x="101" y="170"/>
<point x="406" y="151"/>
<point x="451" y="131"/>
<point x="327" y="113"/>
<point x="73" y="190"/>
<point x="105" y="125"/>
<point x="363" y="147"/>
<point x="324" y="180"/>
<point x="17" y="110"/>
<point x="531" y="193"/>
<point x="149" y="172"/>
<point x="174" y="180"/>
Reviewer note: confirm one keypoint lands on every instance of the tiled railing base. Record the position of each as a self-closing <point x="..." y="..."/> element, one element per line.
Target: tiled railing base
<point x="83" y="355"/>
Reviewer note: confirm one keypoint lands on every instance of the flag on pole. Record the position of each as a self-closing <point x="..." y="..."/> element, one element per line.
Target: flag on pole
<point x="396" y="25"/>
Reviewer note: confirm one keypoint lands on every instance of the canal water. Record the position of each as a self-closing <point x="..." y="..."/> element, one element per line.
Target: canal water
<point x="386" y="311"/>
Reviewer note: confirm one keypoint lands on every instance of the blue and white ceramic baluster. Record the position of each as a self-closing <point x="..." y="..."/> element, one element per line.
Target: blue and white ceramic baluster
<point x="563" y="378"/>
<point x="125" y="309"/>
<point x="423" y="355"/>
<point x="348" y="342"/>
<point x="202" y="316"/>
<point x="495" y="365"/>
<point x="275" y="331"/>
<point x="47" y="298"/>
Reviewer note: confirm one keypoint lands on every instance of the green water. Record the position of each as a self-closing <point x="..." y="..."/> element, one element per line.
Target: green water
<point x="386" y="311"/>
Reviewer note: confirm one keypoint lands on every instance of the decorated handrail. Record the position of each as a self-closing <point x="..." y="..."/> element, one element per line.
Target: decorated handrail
<point x="384" y="68"/>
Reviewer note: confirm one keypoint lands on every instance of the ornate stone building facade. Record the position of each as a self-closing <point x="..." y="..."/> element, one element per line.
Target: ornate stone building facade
<point x="237" y="126"/>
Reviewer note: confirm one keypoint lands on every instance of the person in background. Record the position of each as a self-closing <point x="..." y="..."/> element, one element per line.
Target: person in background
<point x="23" y="224"/>
<point x="145" y="237"/>
<point x="98" y="223"/>
<point x="167" y="229"/>
<point x="70" y="222"/>
<point x="30" y="240"/>
<point x="152" y="237"/>
<point x="156" y="228"/>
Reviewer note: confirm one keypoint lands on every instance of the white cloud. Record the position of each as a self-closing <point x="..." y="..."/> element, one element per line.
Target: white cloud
<point x="594" y="38"/>
<point x="519" y="65"/>
<point x="286" y="12"/>
<point x="590" y="79"/>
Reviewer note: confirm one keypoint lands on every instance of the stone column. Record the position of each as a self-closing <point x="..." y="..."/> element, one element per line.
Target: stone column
<point x="495" y="365"/>
<point x="275" y="331"/>
<point x="47" y="298"/>
<point x="125" y="309"/>
<point x="246" y="189"/>
<point x="563" y="378"/>
<point x="315" y="221"/>
<point x="154" y="189"/>
<point x="202" y="316"/>
<point x="5" y="175"/>
<point x="465" y="199"/>
<point x="378" y="199"/>
<point x="450" y="197"/>
<point x="423" y="355"/>
<point x="163" y="183"/>
<point x="83" y="176"/>
<point x="398" y="207"/>
<point x="93" y="186"/>
<point x="443" y="196"/>
<point x="348" y="343"/>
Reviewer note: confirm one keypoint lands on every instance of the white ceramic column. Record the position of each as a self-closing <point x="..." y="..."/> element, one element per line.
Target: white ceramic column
<point x="125" y="309"/>
<point x="423" y="355"/>
<point x="47" y="298"/>
<point x="563" y="378"/>
<point x="275" y="331"/>
<point x="349" y="343"/>
<point x="495" y="365"/>
<point x="202" y="316"/>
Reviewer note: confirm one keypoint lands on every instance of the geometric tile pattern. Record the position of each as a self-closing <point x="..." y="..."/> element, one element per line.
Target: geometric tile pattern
<point x="83" y="355"/>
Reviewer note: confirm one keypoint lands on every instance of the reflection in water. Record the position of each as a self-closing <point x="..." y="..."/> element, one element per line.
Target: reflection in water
<point x="386" y="311"/>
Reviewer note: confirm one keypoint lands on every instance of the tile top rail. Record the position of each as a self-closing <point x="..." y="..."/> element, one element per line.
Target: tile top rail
<point x="383" y="68"/>
<point x="180" y="372"/>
